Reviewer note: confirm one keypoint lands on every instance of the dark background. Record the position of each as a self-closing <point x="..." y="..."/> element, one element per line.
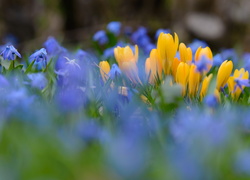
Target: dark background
<point x="222" y="23"/>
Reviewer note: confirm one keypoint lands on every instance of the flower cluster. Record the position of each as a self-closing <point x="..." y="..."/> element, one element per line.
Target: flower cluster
<point x="192" y="69"/>
<point x="163" y="110"/>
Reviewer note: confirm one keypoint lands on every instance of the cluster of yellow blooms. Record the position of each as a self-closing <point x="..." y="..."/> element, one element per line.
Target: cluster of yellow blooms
<point x="162" y="61"/>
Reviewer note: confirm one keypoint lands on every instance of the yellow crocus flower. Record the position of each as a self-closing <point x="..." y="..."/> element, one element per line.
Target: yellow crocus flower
<point x="223" y="74"/>
<point x="174" y="67"/>
<point x="167" y="46"/>
<point x="205" y="84"/>
<point x="123" y="54"/>
<point x="185" y="53"/>
<point x="193" y="81"/>
<point x="104" y="70"/>
<point x="182" y="76"/>
<point x="217" y="95"/>
<point x="204" y="52"/>
<point x="153" y="66"/>
<point x="235" y="90"/>
<point x="127" y="62"/>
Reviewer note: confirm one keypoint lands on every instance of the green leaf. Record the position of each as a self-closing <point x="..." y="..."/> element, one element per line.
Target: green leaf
<point x="4" y="70"/>
<point x="29" y="68"/>
<point x="20" y="66"/>
<point x="48" y="65"/>
<point x="12" y="65"/>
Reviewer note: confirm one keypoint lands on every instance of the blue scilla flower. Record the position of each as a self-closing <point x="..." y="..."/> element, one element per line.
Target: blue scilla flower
<point x="114" y="27"/>
<point x="70" y="72"/>
<point x="159" y="31"/>
<point x="52" y="46"/>
<point x="177" y="55"/>
<point x="81" y="54"/>
<point x="229" y="54"/>
<point x="217" y="60"/>
<point x="140" y="36"/>
<point x="114" y="71"/>
<point x="211" y="101"/>
<point x="196" y="44"/>
<point x="39" y="56"/>
<point x="202" y="64"/>
<point x="10" y="53"/>
<point x="141" y="31"/>
<point x="197" y="127"/>
<point x="100" y="37"/>
<point x="149" y="47"/>
<point x="109" y="52"/>
<point x="70" y="99"/>
<point x="240" y="82"/>
<point x="38" y="80"/>
<point x="18" y="100"/>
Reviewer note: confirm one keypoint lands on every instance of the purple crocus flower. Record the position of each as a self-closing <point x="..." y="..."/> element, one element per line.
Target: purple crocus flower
<point x="10" y="53"/>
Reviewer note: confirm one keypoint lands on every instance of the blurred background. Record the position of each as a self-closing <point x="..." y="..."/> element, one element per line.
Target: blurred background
<point x="221" y="23"/>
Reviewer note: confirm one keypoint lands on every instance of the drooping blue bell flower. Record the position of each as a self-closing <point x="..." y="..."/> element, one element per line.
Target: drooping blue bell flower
<point x="39" y="56"/>
<point x="114" y="72"/>
<point x="10" y="53"/>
